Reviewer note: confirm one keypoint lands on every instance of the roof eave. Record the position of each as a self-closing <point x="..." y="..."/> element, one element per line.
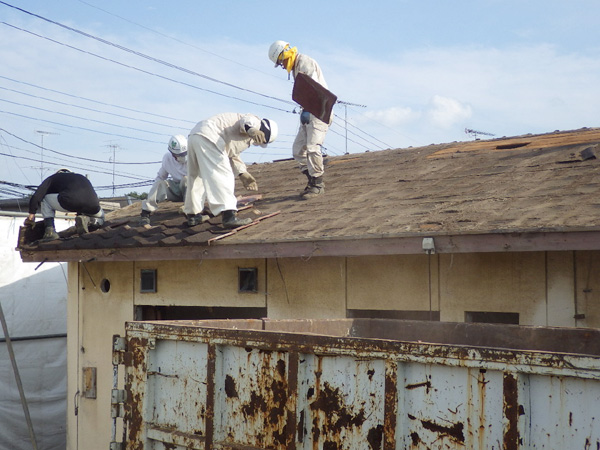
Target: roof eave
<point x="460" y="243"/>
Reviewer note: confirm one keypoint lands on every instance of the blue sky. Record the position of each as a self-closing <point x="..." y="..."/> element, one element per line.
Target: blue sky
<point x="425" y="71"/>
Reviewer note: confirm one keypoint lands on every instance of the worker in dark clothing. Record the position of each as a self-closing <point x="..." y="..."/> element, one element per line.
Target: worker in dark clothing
<point x="68" y="192"/>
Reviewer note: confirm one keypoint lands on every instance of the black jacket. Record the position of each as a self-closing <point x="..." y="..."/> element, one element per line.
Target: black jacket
<point x="75" y="193"/>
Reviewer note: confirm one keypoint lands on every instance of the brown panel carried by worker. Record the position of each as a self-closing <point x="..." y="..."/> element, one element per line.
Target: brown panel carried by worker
<point x="313" y="97"/>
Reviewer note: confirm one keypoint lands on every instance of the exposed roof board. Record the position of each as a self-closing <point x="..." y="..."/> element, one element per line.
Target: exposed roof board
<point x="533" y="192"/>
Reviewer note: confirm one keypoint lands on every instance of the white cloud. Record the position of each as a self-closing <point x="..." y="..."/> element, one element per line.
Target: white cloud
<point x="393" y="116"/>
<point x="446" y="112"/>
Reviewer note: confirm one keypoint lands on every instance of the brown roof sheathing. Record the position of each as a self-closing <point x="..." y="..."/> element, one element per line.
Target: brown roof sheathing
<point x="530" y="192"/>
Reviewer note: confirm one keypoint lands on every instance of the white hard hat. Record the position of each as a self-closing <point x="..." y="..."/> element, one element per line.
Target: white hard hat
<point x="270" y="128"/>
<point x="275" y="50"/>
<point x="178" y="145"/>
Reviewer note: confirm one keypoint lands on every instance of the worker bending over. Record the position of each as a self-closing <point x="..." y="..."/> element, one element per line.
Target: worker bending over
<point x="214" y="147"/>
<point x="67" y="192"/>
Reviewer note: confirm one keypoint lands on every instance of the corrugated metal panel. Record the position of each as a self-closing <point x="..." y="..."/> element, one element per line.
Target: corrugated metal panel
<point x="208" y="388"/>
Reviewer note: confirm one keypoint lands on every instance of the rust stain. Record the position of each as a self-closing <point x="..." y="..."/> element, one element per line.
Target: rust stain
<point x="136" y="357"/>
<point x="230" y="389"/>
<point x="426" y="384"/>
<point x="375" y="437"/>
<point x="301" y="428"/>
<point x="414" y="437"/>
<point x="335" y="417"/>
<point x="455" y="431"/>
<point x="267" y="407"/>
<point x="390" y="407"/>
<point x="511" y="412"/>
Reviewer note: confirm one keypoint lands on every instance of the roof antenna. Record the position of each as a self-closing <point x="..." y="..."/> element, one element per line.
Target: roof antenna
<point x="475" y="133"/>
<point x="346" y="118"/>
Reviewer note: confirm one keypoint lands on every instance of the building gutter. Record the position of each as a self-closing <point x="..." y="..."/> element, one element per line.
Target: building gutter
<point x="403" y="245"/>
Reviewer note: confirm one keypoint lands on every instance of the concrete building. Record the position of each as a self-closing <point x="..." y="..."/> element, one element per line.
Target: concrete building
<point x="502" y="231"/>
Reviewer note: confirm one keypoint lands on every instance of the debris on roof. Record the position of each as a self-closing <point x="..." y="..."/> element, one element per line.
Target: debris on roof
<point x="523" y="184"/>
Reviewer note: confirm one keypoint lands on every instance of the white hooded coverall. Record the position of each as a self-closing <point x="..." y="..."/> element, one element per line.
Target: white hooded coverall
<point x="165" y="188"/>
<point x="307" y="145"/>
<point x="214" y="147"/>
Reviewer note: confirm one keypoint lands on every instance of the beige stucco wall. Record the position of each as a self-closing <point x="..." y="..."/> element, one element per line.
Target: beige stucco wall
<point x="587" y="286"/>
<point x="494" y="282"/>
<point x="94" y="317"/>
<point x="396" y="282"/>
<point x="200" y="283"/>
<point x="313" y="288"/>
<point x="543" y="287"/>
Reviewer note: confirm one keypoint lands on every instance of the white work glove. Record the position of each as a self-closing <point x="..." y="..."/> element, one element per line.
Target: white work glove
<point x="257" y="136"/>
<point x="248" y="181"/>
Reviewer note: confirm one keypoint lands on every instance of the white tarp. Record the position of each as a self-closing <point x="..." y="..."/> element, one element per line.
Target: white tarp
<point x="34" y="303"/>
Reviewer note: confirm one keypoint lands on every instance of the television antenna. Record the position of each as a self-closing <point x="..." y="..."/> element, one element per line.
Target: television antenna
<point x="114" y="148"/>
<point x="475" y="133"/>
<point x="43" y="133"/>
<point x="346" y="104"/>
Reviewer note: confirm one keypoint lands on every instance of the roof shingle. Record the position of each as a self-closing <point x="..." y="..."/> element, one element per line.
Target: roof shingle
<point x="522" y="184"/>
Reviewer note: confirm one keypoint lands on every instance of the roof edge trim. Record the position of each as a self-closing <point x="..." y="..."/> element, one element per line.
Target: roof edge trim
<point x="471" y="243"/>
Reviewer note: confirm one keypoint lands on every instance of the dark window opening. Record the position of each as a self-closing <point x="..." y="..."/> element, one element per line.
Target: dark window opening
<point x="492" y="317"/>
<point x="393" y="314"/>
<point x="147" y="312"/>
<point x="248" y="279"/>
<point x="105" y="285"/>
<point x="148" y="280"/>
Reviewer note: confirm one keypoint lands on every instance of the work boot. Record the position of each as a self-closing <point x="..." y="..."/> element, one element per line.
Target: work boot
<point x="231" y="220"/>
<point x="144" y="218"/>
<point x="315" y="187"/>
<point x="82" y="224"/>
<point x="196" y="219"/>
<point x="50" y="234"/>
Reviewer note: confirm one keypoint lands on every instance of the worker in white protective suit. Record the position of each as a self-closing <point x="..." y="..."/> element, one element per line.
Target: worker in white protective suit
<point x="311" y="134"/>
<point x="174" y="165"/>
<point x="214" y="147"/>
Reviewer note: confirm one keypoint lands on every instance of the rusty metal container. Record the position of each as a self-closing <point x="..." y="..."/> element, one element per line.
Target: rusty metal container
<point x="356" y="384"/>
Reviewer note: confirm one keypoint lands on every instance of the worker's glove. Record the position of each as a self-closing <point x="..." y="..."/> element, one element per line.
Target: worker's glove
<point x="29" y="223"/>
<point x="257" y="136"/>
<point x="249" y="181"/>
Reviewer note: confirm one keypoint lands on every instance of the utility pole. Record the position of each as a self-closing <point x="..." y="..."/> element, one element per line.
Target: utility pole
<point x="114" y="148"/>
<point x="42" y="134"/>
<point x="346" y="118"/>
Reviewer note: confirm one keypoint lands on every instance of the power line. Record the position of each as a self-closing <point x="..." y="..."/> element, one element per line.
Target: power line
<point x="80" y="118"/>
<point x="160" y="62"/>
<point x="79" y="128"/>
<point x="96" y="101"/>
<point x="83" y="107"/>
<point x="156" y="60"/>
<point x="177" y="40"/>
<point x="142" y="70"/>
<point x="143" y="55"/>
<point x="76" y="157"/>
<point x="364" y="132"/>
<point x="87" y="169"/>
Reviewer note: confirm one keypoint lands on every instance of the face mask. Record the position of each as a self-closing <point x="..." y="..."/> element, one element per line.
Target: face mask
<point x="180" y="159"/>
<point x="288" y="58"/>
